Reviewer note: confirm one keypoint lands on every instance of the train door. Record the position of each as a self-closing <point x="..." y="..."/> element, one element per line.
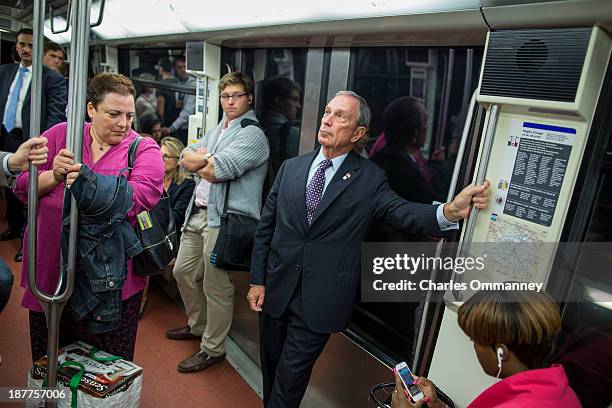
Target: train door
<point x="542" y="90"/>
<point x="283" y="91"/>
<point x="380" y="334"/>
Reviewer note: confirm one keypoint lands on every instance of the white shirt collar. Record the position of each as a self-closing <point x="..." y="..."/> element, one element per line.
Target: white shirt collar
<point x="336" y="161"/>
<point x="28" y="68"/>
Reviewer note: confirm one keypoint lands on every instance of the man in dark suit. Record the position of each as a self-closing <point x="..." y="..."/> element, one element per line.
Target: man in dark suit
<point x="15" y="93"/>
<point x="306" y="260"/>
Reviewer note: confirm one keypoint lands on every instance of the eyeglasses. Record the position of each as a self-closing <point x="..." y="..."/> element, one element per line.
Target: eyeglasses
<point x="235" y="96"/>
<point x="168" y="157"/>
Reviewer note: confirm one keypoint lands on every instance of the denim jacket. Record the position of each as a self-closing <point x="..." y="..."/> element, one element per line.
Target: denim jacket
<point x="105" y="241"/>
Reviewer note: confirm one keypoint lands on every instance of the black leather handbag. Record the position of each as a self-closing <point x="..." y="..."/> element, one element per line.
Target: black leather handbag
<point x="234" y="244"/>
<point x="155" y="230"/>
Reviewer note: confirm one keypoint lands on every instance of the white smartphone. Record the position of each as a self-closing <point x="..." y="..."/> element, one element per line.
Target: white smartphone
<point x="406" y="376"/>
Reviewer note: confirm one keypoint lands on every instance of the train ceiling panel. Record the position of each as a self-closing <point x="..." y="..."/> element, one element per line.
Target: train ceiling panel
<point x="511" y="14"/>
<point x="170" y="17"/>
<point x="249" y="23"/>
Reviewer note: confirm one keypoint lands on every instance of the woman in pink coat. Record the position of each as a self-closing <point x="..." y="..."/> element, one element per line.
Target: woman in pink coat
<point x="513" y="335"/>
<point x="106" y="141"/>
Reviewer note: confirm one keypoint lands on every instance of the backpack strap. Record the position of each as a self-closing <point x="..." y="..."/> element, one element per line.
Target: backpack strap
<point x="269" y="179"/>
<point x="250" y="122"/>
<point x="132" y="152"/>
<point x="244" y="123"/>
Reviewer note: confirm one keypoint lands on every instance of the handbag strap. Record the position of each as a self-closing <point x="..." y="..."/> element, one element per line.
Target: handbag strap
<point x="132" y="152"/>
<point x="229" y="183"/>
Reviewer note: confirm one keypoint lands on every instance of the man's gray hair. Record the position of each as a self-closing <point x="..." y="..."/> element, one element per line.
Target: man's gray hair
<point x="364" y="110"/>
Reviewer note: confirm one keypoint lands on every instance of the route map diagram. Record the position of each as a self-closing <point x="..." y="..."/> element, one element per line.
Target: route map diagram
<point x="514" y="250"/>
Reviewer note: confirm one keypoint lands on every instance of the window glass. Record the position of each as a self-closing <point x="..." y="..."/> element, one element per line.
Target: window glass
<point x="585" y="342"/>
<point x="278" y="75"/>
<point x="158" y="110"/>
<point x="419" y="99"/>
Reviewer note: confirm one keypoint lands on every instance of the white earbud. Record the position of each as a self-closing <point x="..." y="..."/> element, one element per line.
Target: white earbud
<point x="500" y="357"/>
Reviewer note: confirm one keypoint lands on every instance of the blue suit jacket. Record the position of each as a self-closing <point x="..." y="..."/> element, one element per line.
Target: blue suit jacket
<point x="326" y="253"/>
<point x="53" y="103"/>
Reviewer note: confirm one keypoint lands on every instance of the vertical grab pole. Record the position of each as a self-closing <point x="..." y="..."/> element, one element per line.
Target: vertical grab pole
<point x="50" y="308"/>
<point x="470" y="225"/>
<point x="53" y="304"/>
<point x="74" y="132"/>
<point x="36" y="94"/>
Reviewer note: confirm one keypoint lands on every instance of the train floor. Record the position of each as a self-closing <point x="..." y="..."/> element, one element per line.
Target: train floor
<point x="163" y="386"/>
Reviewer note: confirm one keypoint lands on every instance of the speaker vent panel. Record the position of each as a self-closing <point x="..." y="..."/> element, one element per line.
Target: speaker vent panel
<point x="535" y="64"/>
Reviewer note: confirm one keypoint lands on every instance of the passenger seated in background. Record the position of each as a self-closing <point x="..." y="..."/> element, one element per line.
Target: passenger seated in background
<point x="281" y="100"/>
<point x="513" y="336"/>
<point x="177" y="181"/>
<point x="150" y="125"/>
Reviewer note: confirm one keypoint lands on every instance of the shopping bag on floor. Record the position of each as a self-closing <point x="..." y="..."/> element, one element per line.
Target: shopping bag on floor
<point x="89" y="378"/>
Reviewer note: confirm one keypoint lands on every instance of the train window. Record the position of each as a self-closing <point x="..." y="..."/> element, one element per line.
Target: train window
<point x="279" y="75"/>
<point x="7" y="51"/>
<point x="156" y="108"/>
<point x="585" y="342"/>
<point x="419" y="99"/>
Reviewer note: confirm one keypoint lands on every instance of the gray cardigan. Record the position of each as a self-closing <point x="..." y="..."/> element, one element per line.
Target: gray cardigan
<point x="241" y="156"/>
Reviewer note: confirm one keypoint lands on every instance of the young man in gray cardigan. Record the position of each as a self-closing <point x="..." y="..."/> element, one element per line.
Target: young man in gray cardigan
<point x="229" y="154"/>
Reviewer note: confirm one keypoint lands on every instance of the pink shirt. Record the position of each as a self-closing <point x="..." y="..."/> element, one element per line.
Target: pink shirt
<point x="541" y="388"/>
<point x="147" y="183"/>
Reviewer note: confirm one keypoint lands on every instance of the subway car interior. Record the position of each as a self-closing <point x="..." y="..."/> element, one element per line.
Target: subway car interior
<point x="516" y="92"/>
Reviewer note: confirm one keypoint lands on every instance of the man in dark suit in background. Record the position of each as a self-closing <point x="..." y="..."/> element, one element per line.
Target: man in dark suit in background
<point x="306" y="259"/>
<point x="15" y="94"/>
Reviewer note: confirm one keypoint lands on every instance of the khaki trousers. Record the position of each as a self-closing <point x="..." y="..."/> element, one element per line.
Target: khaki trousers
<point x="207" y="291"/>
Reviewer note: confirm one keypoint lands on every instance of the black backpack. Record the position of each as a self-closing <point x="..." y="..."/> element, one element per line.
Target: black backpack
<point x="155" y="230"/>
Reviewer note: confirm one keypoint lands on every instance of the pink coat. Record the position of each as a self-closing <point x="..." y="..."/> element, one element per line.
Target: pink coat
<point x="147" y="183"/>
<point x="542" y="388"/>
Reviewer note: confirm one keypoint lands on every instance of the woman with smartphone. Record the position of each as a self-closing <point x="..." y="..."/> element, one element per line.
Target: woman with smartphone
<point x="513" y="336"/>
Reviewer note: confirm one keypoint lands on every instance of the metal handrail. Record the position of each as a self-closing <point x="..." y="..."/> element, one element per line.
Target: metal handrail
<point x="166" y="86"/>
<point x="100" y="15"/>
<point x="461" y="148"/>
<point x="53" y="304"/>
<point x="483" y="165"/>
<point x="52" y="18"/>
